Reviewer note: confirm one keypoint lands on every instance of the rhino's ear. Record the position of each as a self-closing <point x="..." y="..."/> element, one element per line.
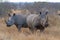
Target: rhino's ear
<point x="9" y="15"/>
<point x="14" y="14"/>
<point x="40" y="13"/>
<point x="46" y="13"/>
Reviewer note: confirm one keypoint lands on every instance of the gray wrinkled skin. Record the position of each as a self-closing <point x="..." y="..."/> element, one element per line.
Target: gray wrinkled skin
<point x="37" y="21"/>
<point x="18" y="20"/>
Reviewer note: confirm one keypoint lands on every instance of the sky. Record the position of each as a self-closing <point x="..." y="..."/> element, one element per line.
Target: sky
<point x="34" y="0"/>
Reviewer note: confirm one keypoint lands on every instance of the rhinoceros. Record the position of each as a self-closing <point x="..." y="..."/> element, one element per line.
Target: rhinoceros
<point x="18" y="20"/>
<point x="37" y="21"/>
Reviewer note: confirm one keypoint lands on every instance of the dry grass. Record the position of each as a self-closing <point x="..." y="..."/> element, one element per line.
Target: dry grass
<point x="50" y="33"/>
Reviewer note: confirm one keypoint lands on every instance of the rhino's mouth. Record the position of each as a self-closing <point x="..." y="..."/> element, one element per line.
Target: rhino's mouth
<point x="8" y="25"/>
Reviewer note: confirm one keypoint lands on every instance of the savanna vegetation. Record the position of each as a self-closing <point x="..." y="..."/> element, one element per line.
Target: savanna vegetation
<point x="52" y="32"/>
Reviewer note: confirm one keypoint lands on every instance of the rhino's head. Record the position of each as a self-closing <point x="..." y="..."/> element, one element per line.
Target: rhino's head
<point x="44" y="18"/>
<point x="10" y="20"/>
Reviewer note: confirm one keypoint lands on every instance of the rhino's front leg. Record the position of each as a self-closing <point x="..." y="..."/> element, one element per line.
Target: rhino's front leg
<point x="19" y="28"/>
<point x="32" y="29"/>
<point x="42" y="28"/>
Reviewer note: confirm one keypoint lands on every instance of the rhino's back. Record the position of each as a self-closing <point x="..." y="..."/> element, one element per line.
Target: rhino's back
<point x="33" y="19"/>
<point x="20" y="19"/>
